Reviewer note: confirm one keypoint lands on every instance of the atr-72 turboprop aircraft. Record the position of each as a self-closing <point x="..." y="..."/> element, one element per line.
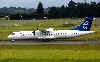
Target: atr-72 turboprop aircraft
<point x="49" y="34"/>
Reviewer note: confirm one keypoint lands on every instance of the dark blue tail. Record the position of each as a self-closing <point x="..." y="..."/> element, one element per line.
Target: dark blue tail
<point x="86" y="25"/>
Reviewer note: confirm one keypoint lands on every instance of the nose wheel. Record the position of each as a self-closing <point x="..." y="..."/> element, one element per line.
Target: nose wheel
<point x="12" y="40"/>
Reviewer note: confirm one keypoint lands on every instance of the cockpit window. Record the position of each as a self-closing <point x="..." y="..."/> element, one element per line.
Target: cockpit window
<point x="13" y="34"/>
<point x="20" y="33"/>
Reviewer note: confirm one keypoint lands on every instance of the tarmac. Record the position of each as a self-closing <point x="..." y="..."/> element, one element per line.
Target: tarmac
<point x="48" y="43"/>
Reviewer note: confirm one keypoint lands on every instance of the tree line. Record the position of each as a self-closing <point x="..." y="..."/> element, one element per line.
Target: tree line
<point x="73" y="10"/>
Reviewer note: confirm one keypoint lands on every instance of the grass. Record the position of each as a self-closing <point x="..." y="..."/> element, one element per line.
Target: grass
<point x="50" y="53"/>
<point x="52" y="23"/>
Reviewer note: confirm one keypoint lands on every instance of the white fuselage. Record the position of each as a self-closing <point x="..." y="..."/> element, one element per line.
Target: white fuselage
<point x="49" y="35"/>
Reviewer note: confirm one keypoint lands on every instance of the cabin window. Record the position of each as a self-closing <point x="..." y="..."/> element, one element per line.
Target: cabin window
<point x="75" y="33"/>
<point x="13" y="34"/>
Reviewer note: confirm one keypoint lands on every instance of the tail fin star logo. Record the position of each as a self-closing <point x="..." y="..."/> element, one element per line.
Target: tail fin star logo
<point x="85" y="25"/>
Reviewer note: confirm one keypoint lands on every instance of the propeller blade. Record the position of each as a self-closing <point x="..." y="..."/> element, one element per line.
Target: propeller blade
<point x="33" y="32"/>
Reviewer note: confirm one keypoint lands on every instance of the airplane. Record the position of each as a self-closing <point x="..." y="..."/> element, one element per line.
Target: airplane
<point x="51" y="34"/>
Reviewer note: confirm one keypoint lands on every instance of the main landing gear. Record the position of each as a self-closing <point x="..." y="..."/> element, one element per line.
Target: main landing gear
<point x="46" y="40"/>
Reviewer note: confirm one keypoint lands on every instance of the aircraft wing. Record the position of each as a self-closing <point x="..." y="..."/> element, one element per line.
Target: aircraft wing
<point x="44" y="31"/>
<point x="47" y="30"/>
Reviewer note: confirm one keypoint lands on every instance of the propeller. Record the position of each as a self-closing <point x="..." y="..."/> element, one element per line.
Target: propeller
<point x="34" y="31"/>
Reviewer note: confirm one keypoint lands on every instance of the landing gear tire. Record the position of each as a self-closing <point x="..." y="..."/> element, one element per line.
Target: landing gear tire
<point x="46" y="40"/>
<point x="12" y="40"/>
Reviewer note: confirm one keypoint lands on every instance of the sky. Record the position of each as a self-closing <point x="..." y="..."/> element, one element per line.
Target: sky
<point x="34" y="3"/>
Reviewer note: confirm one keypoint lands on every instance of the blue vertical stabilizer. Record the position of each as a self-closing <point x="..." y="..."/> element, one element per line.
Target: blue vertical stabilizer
<point x="86" y="25"/>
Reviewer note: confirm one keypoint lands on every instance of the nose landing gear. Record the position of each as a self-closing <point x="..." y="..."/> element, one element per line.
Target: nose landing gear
<point x="12" y="40"/>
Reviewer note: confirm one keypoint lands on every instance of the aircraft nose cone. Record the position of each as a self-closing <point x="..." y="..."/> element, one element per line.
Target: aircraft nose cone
<point x="9" y="37"/>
